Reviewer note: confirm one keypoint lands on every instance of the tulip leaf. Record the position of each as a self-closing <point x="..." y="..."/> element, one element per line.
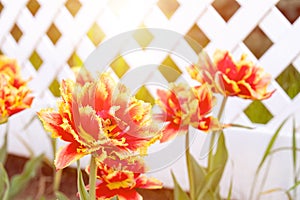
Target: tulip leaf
<point x="83" y="194"/>
<point x="61" y="196"/>
<point x="209" y="183"/>
<point x="19" y="181"/>
<point x="241" y="126"/>
<point x="198" y="173"/>
<point x="270" y="145"/>
<point x="179" y="194"/>
<point x="294" y="146"/>
<point x="294" y="186"/>
<point x="219" y="160"/>
<point x="4" y="183"/>
<point x="230" y="189"/>
<point x="3" y="149"/>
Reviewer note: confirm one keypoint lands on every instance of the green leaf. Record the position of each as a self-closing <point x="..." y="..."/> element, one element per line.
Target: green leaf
<point x="179" y="194"/>
<point x="209" y="183"/>
<point x="60" y="196"/>
<point x="3" y="149"/>
<point x="80" y="184"/>
<point x="241" y="126"/>
<point x="219" y="160"/>
<point x="230" y="189"/>
<point x="294" y="186"/>
<point x="114" y="198"/>
<point x="4" y="183"/>
<point x="294" y="145"/>
<point x="19" y="181"/>
<point x="270" y="145"/>
<point x="198" y="173"/>
<point x="277" y="190"/>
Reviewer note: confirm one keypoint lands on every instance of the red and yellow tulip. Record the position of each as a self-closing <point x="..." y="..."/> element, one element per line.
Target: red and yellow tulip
<point x="99" y="118"/>
<point x="241" y="78"/>
<point x="183" y="106"/>
<point x="14" y="93"/>
<point x="121" y="177"/>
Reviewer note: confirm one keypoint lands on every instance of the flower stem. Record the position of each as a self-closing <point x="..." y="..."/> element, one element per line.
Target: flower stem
<point x="57" y="179"/>
<point x="213" y="136"/>
<point x="189" y="167"/>
<point x="92" y="178"/>
<point x="57" y="174"/>
<point x="3" y="149"/>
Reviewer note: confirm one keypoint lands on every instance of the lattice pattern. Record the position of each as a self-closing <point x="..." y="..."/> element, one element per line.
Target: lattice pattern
<point x="50" y="37"/>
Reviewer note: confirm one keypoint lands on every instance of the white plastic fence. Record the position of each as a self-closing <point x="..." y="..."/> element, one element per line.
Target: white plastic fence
<point x="48" y="36"/>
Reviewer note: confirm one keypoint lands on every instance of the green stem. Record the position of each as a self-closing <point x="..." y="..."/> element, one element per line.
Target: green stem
<point x="222" y="107"/>
<point x="92" y="178"/>
<point x="3" y="149"/>
<point x="57" y="180"/>
<point x="213" y="136"/>
<point x="57" y="174"/>
<point x="189" y="167"/>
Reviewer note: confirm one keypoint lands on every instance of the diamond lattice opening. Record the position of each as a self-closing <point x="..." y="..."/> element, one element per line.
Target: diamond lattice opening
<point x="288" y="80"/>
<point x="143" y="37"/>
<point x="258" y="42"/>
<point x="144" y="94"/>
<point x="168" y="7"/>
<point x="198" y="35"/>
<point x="73" y="6"/>
<point x="226" y="8"/>
<point x="33" y="6"/>
<point x="95" y="34"/>
<point x="53" y="33"/>
<point x="35" y="60"/>
<point x="169" y="70"/>
<point x="120" y="66"/>
<point x="258" y="113"/>
<point x="75" y="60"/>
<point x="290" y="9"/>
<point x="54" y="88"/>
<point x="16" y="33"/>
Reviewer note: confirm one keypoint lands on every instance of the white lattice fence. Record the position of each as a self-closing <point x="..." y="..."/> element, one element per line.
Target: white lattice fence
<point x="50" y="37"/>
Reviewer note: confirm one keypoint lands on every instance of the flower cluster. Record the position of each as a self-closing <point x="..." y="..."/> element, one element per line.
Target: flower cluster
<point x="100" y="117"/>
<point x="14" y="93"/>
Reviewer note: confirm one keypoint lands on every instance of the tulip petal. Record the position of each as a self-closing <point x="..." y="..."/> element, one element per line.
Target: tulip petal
<point x="53" y="122"/>
<point x="170" y="132"/>
<point x="67" y="155"/>
<point x="148" y="183"/>
<point x="102" y="192"/>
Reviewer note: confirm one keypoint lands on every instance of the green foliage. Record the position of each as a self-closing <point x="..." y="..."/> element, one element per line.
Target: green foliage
<point x="179" y="194"/>
<point x="19" y="182"/>
<point x="60" y="196"/>
<point x="270" y="145"/>
<point x="3" y="150"/>
<point x="205" y="182"/>
<point x="83" y="194"/>
<point x="215" y="172"/>
<point x="4" y="183"/>
<point x="8" y="190"/>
